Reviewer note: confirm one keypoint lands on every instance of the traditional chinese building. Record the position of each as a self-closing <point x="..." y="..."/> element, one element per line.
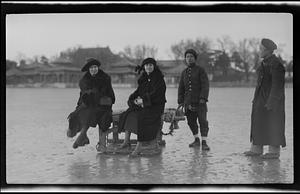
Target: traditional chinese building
<point x="122" y="72"/>
<point x="59" y="72"/>
<point x="63" y="73"/>
<point x="171" y="70"/>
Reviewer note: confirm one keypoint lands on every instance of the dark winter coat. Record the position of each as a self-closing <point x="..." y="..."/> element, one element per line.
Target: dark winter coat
<point x="100" y="86"/>
<point x="193" y="85"/>
<point x="152" y="89"/>
<point x="88" y="111"/>
<point x="268" y="126"/>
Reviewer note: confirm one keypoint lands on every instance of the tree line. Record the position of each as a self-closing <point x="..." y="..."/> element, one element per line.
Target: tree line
<point x="242" y="56"/>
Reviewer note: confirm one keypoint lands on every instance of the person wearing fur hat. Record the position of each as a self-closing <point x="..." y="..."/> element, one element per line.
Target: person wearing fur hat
<point x="193" y="92"/>
<point x="94" y="106"/>
<point x="146" y="106"/>
<point x="268" y="105"/>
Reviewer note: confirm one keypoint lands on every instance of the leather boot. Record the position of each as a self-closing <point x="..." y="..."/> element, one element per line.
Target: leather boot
<point x="204" y="145"/>
<point x="196" y="143"/>
<point x="81" y="140"/>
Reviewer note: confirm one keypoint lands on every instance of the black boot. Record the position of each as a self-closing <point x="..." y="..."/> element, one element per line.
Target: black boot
<point x="204" y="145"/>
<point x="196" y="143"/>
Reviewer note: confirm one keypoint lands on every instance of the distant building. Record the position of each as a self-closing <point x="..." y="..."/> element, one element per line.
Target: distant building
<point x="63" y="73"/>
<point x="103" y="54"/>
<point x="172" y="70"/>
<point x="60" y="72"/>
<point x="122" y="72"/>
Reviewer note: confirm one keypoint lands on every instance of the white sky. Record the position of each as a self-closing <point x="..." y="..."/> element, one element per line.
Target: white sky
<point x="49" y="34"/>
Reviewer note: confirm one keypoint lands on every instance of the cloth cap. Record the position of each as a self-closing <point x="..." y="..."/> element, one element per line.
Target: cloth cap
<point x="192" y="51"/>
<point x="89" y="63"/>
<point x="268" y="44"/>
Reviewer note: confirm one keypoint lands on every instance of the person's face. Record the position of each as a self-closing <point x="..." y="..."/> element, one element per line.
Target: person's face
<point x="93" y="70"/>
<point x="190" y="59"/>
<point x="263" y="52"/>
<point x="149" y="67"/>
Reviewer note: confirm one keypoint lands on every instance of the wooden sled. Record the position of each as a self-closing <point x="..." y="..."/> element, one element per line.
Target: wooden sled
<point x="170" y="115"/>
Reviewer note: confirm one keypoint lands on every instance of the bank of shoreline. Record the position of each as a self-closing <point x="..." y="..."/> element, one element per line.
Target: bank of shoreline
<point x="211" y="84"/>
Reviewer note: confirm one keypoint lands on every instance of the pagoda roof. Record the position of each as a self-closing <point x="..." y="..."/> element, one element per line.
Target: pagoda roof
<point x="123" y="63"/>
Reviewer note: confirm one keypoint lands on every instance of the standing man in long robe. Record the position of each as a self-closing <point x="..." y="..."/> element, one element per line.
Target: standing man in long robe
<point x="268" y="108"/>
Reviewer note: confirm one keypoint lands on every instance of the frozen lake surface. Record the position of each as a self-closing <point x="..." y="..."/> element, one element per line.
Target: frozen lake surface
<point x="39" y="152"/>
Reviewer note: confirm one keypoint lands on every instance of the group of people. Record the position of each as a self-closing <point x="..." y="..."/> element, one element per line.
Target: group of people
<point x="146" y="104"/>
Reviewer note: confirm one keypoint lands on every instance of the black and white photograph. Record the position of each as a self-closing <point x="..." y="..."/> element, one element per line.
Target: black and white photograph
<point x="131" y="97"/>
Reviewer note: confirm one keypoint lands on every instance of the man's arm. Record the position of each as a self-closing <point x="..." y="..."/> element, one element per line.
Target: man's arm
<point x="277" y="87"/>
<point x="204" y="85"/>
<point x="181" y="90"/>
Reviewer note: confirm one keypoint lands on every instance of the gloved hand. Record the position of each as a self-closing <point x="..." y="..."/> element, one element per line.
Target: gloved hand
<point x="180" y="111"/>
<point x="139" y="101"/>
<point x="202" y="101"/>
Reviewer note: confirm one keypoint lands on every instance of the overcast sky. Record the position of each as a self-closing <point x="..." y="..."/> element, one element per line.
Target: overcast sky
<point x="49" y="34"/>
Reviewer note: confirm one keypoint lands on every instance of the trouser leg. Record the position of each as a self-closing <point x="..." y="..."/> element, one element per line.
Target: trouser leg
<point x="203" y="123"/>
<point x="192" y="121"/>
<point x="202" y="118"/>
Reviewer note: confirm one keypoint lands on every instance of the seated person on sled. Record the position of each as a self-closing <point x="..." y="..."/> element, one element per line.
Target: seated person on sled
<point x="146" y="106"/>
<point x="94" y="105"/>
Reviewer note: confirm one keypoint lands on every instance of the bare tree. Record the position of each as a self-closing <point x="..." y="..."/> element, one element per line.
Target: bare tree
<point x="223" y="63"/>
<point x="139" y="52"/>
<point x="254" y="49"/>
<point x="21" y="56"/>
<point x="178" y="50"/>
<point x="128" y="52"/>
<point x="201" y="46"/>
<point x="152" y="51"/>
<point x="248" y="51"/>
<point x="279" y="50"/>
<point x="226" y="44"/>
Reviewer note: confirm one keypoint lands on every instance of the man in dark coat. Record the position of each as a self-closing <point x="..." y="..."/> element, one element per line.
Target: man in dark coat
<point x="193" y="95"/>
<point x="94" y="105"/>
<point x="268" y="114"/>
